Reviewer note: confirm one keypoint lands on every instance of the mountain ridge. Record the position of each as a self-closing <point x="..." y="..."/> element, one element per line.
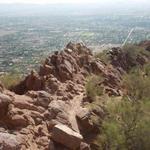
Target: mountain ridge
<point x="47" y="109"/>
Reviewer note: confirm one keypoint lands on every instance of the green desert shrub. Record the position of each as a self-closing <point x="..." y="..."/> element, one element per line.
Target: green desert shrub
<point x="10" y="79"/>
<point x="137" y="83"/>
<point x="125" y="128"/>
<point x="146" y="69"/>
<point x="93" y="87"/>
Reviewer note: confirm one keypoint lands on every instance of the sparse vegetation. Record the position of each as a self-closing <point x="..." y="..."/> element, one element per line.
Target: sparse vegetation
<point x="10" y="79"/>
<point x="126" y="127"/>
<point x="133" y="52"/>
<point x="93" y="88"/>
<point x="137" y="84"/>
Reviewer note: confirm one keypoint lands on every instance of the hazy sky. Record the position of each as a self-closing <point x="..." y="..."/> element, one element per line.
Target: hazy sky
<point x="72" y="1"/>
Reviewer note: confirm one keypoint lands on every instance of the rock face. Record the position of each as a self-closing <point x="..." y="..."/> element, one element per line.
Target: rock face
<point x="124" y="60"/>
<point x="46" y="109"/>
<point x="66" y="136"/>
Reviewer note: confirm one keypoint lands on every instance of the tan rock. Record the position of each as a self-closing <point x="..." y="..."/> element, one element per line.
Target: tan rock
<point x="58" y="110"/>
<point x="26" y="102"/>
<point x="66" y="136"/>
<point x="43" y="141"/>
<point x="43" y="99"/>
<point x="4" y="102"/>
<point x="9" y="142"/>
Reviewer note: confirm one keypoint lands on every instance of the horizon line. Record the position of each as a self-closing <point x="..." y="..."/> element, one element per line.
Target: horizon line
<point x="44" y="3"/>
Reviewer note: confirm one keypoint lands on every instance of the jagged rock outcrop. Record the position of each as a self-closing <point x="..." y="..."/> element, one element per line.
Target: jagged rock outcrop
<point x="46" y="110"/>
<point x="125" y="60"/>
<point x="48" y="102"/>
<point x="71" y="65"/>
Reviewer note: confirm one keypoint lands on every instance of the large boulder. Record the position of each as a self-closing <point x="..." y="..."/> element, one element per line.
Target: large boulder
<point x="66" y="136"/>
<point x="58" y="110"/>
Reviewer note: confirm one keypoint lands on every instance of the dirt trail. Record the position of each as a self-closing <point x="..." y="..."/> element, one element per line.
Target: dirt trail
<point x="75" y="107"/>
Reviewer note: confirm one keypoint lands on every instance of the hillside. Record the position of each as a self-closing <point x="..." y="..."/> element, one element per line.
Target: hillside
<point x="80" y="101"/>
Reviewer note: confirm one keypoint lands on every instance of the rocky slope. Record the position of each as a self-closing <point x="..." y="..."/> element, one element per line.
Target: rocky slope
<point x="46" y="111"/>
